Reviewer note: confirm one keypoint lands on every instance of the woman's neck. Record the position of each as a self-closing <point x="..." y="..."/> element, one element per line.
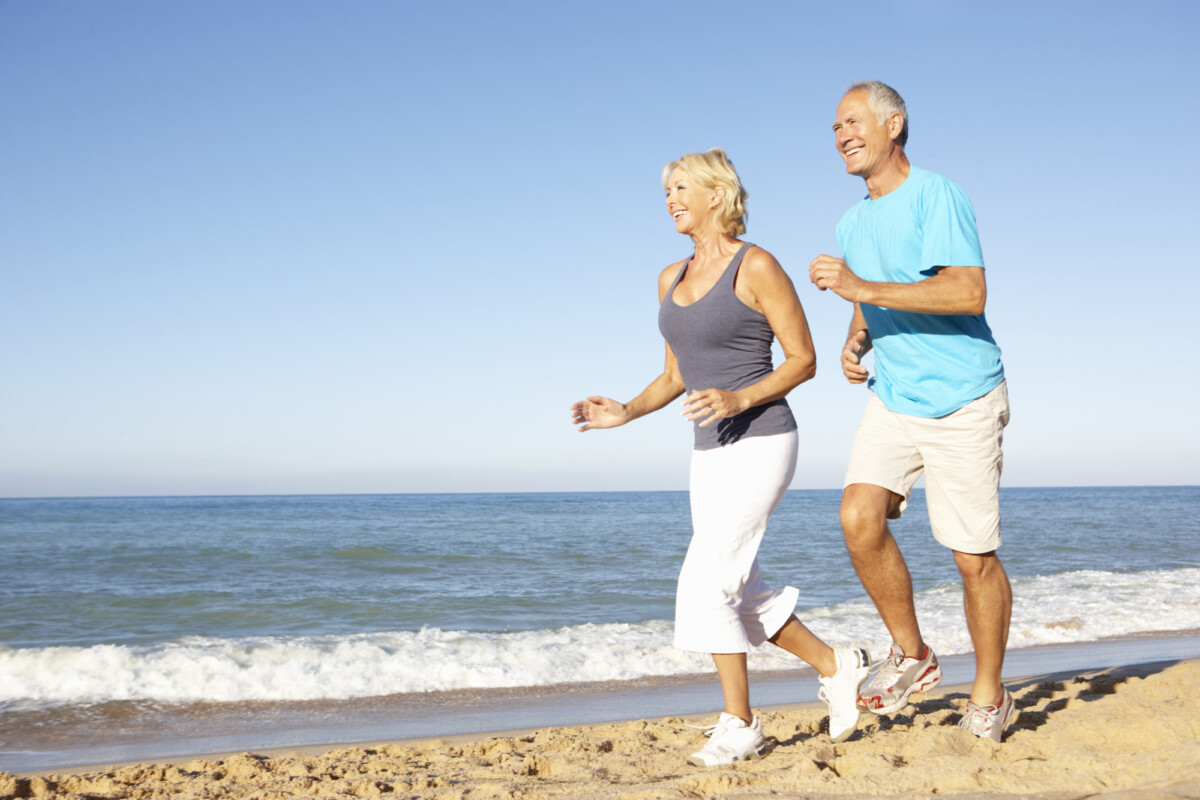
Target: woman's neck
<point x="714" y="246"/>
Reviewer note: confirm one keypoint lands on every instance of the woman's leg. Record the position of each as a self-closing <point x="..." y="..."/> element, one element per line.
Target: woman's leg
<point x="722" y="605"/>
<point x="798" y="640"/>
<point x="735" y="684"/>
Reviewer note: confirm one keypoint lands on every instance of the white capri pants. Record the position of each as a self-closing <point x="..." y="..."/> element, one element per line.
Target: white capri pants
<point x="722" y="604"/>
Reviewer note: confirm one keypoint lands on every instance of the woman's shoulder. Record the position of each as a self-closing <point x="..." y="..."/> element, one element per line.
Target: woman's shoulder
<point x="672" y="269"/>
<point x="668" y="274"/>
<point x="667" y="277"/>
<point x="759" y="260"/>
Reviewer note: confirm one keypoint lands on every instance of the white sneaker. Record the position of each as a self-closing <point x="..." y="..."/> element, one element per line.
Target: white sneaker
<point x="731" y="739"/>
<point x="840" y="691"/>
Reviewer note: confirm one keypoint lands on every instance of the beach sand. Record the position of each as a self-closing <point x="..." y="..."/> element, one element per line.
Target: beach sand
<point x="1120" y="733"/>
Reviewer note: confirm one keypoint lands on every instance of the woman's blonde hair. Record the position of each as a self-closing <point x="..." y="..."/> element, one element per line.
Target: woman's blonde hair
<point x="714" y="170"/>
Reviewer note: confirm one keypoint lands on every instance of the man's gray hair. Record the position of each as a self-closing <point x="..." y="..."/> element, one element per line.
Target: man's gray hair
<point x="885" y="101"/>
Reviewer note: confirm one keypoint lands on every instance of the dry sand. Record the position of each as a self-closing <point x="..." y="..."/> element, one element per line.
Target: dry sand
<point x="1123" y="733"/>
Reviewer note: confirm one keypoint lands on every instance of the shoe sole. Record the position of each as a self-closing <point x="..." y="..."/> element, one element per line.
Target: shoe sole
<point x="699" y="762"/>
<point x="923" y="684"/>
<point x="845" y="734"/>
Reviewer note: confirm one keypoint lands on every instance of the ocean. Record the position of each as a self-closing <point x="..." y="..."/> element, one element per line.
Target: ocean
<point x="121" y="614"/>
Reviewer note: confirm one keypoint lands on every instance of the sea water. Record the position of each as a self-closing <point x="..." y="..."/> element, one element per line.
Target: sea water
<point x="296" y="598"/>
<point x="166" y="602"/>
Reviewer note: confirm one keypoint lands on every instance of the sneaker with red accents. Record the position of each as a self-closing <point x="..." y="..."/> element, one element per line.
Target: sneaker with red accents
<point x="898" y="678"/>
<point x="989" y="722"/>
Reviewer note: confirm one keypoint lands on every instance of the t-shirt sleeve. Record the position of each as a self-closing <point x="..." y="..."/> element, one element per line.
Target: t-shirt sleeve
<point x="950" y="238"/>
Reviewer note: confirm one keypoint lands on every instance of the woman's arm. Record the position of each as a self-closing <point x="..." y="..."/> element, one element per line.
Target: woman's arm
<point x="604" y="412"/>
<point x="765" y="287"/>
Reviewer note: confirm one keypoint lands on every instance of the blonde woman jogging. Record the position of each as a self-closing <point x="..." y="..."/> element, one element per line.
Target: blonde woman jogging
<point x="720" y="308"/>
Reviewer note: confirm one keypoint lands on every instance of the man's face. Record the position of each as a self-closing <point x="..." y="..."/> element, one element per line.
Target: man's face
<point x="864" y="142"/>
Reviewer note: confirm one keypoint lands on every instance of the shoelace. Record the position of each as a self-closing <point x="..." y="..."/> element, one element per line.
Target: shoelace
<point x="977" y="716"/>
<point x="872" y="669"/>
<point x="709" y="730"/>
<point x="891" y="664"/>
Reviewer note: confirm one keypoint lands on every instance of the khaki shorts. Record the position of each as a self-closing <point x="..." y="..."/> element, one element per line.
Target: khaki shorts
<point x="960" y="456"/>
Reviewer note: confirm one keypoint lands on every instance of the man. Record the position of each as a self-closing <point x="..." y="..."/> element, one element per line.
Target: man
<point x="913" y="269"/>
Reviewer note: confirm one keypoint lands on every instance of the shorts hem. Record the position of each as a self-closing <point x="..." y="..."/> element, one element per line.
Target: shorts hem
<point x="972" y="549"/>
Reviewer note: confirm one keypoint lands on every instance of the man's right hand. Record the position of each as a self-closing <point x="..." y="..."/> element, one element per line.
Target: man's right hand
<point x="856" y="347"/>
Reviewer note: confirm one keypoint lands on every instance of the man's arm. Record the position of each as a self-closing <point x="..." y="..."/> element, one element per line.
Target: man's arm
<point x="858" y="343"/>
<point x="952" y="290"/>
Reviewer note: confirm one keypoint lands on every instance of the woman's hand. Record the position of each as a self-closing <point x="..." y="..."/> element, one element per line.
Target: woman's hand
<point x="598" y="412"/>
<point x="711" y="405"/>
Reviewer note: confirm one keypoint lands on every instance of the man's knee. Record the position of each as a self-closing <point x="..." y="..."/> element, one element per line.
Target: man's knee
<point x="856" y="517"/>
<point x="868" y="506"/>
<point x="977" y="567"/>
<point x="864" y="514"/>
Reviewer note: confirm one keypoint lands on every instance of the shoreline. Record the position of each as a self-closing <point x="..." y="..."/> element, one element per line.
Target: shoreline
<point x="79" y="742"/>
<point x="1081" y="733"/>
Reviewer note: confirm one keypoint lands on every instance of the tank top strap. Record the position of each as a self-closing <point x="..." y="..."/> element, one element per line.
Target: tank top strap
<point x="670" y="295"/>
<point x="730" y="274"/>
<point x="726" y="277"/>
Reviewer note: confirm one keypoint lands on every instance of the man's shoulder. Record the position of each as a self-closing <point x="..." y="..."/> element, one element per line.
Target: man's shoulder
<point x="927" y="181"/>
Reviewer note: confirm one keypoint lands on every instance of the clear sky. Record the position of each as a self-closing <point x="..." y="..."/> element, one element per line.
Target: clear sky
<point x="296" y="246"/>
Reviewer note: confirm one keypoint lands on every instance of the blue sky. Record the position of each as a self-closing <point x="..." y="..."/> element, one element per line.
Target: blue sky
<point x="292" y="247"/>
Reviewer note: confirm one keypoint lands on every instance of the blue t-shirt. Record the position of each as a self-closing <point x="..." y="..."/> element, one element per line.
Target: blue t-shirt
<point x="926" y="365"/>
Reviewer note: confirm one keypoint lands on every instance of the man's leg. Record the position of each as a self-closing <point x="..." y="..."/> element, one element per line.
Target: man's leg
<point x="987" y="598"/>
<point x="963" y="459"/>
<point x="879" y="563"/>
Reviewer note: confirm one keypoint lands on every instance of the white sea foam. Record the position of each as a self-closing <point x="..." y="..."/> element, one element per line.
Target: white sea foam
<point x="1069" y="607"/>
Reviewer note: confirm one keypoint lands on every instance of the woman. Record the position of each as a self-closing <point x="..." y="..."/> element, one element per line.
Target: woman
<point x="718" y="311"/>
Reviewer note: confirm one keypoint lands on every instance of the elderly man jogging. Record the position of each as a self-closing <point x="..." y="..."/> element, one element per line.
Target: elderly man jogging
<point x="913" y="269"/>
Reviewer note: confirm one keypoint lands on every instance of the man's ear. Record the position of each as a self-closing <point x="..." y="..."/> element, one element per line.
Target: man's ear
<point x="895" y="124"/>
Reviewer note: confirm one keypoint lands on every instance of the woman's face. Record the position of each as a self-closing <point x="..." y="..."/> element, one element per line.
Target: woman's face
<point x="689" y="202"/>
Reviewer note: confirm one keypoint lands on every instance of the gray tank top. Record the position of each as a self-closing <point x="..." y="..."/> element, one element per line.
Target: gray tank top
<point x="722" y="343"/>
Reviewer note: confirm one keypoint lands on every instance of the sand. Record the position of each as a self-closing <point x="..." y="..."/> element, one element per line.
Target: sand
<point x="1121" y="733"/>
